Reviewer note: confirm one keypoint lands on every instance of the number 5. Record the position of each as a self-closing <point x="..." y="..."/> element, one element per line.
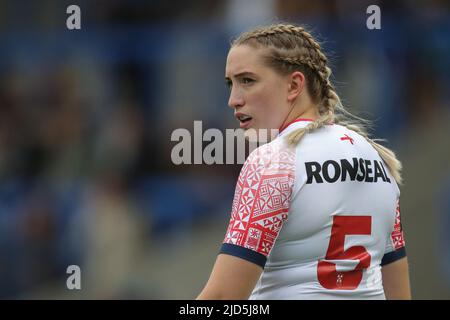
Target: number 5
<point x="327" y="274"/>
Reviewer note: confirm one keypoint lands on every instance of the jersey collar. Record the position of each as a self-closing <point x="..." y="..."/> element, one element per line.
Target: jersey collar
<point x="294" y="121"/>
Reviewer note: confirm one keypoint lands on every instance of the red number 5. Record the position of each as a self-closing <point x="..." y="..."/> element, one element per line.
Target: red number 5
<point x="327" y="274"/>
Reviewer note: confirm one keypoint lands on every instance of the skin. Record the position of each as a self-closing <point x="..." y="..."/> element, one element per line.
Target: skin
<point x="396" y="280"/>
<point x="232" y="278"/>
<point x="272" y="100"/>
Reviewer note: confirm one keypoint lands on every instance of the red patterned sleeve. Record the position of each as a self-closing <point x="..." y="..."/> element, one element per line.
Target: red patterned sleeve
<point x="261" y="203"/>
<point x="395" y="248"/>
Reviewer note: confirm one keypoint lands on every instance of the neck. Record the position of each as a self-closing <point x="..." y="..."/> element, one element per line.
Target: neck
<point x="310" y="112"/>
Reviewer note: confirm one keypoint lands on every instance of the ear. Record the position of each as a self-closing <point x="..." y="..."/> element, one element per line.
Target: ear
<point x="296" y="83"/>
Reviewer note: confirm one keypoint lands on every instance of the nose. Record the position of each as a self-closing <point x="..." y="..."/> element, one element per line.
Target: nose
<point x="235" y="100"/>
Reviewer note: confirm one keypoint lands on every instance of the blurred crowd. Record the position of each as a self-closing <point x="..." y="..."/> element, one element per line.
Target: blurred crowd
<point x="86" y="118"/>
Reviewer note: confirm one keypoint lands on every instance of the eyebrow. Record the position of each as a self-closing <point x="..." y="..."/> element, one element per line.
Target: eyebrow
<point x="240" y="74"/>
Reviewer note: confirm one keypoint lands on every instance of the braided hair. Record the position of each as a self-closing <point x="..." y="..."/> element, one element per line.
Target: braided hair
<point x="290" y="48"/>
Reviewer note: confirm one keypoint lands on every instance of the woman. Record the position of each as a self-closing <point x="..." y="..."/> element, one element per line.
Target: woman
<point x="315" y="213"/>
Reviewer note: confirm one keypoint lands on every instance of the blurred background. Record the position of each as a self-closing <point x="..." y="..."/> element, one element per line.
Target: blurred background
<point x="86" y="118"/>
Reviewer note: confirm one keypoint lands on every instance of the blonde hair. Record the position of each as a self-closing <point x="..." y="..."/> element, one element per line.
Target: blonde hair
<point x="291" y="48"/>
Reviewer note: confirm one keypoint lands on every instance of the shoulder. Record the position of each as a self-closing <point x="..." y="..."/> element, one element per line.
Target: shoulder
<point x="269" y="164"/>
<point x="273" y="155"/>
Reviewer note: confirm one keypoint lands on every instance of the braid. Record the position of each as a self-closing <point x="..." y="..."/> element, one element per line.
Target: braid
<point x="306" y="39"/>
<point x="291" y="48"/>
<point x="308" y="61"/>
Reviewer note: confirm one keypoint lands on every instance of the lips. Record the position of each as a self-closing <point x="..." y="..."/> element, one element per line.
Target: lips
<point x="244" y="119"/>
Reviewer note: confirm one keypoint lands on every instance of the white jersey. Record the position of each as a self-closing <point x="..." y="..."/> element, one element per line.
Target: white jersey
<point x="320" y="217"/>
